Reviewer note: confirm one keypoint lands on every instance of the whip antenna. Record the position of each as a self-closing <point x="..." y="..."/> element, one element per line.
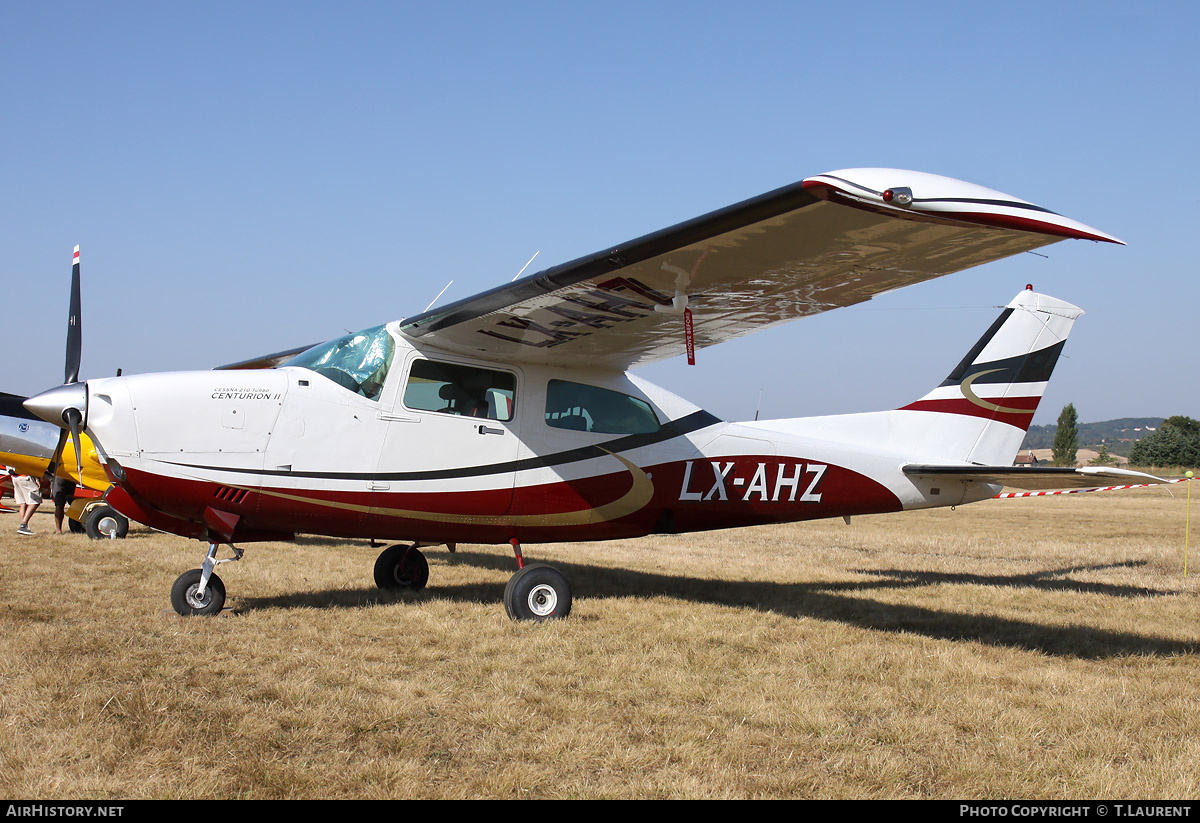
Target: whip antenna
<point x="522" y="271"/>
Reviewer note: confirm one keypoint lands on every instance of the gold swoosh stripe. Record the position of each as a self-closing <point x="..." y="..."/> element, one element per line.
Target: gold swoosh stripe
<point x="639" y="494"/>
<point x="969" y="393"/>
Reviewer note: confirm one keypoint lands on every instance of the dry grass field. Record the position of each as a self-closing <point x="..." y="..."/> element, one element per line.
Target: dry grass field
<point x="1030" y="648"/>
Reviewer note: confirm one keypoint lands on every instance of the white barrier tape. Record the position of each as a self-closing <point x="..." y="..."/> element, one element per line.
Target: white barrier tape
<point x="1009" y="495"/>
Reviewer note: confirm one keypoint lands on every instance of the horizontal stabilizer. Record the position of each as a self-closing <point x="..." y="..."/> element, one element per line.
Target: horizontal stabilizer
<point x="1020" y="477"/>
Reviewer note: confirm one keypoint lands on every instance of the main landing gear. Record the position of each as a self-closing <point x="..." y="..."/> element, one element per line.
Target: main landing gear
<point x="401" y="567"/>
<point x="537" y="592"/>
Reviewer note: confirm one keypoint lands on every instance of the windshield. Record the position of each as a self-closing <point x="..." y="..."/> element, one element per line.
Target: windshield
<point x="358" y="362"/>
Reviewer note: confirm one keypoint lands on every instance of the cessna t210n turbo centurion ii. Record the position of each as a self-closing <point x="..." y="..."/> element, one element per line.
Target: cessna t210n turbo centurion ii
<point x="511" y="416"/>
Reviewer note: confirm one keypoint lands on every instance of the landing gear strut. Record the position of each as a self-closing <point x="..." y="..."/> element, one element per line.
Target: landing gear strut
<point x="199" y="591"/>
<point x="536" y="592"/>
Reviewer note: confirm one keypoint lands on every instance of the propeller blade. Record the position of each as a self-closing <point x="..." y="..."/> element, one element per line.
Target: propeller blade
<point x="74" y="325"/>
<point x="74" y="419"/>
<point x="56" y="458"/>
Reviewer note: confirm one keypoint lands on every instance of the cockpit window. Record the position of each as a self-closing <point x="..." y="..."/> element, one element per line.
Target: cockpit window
<point x="592" y="409"/>
<point x="358" y="362"/>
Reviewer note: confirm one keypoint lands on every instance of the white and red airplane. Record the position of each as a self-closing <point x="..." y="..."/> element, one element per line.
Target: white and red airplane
<point x="511" y="416"/>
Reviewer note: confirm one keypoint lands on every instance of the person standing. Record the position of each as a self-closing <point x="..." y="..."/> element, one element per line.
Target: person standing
<point x="28" y="495"/>
<point x="62" y="491"/>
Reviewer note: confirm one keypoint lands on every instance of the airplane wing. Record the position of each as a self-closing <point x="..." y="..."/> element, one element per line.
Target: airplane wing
<point x="1038" y="479"/>
<point x="828" y="241"/>
<point x="23" y="435"/>
<point x="266" y="361"/>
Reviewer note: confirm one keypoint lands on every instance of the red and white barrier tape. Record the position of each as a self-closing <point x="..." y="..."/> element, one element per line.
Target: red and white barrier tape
<point x="1008" y="495"/>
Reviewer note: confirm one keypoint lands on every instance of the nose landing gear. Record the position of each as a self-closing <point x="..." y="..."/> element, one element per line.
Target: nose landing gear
<point x="199" y="591"/>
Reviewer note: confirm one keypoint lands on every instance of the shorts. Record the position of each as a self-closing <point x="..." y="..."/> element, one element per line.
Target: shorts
<point x="62" y="491"/>
<point x="26" y="490"/>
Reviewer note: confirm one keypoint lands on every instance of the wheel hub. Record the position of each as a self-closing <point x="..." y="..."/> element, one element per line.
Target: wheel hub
<point x="543" y="600"/>
<point x="198" y="602"/>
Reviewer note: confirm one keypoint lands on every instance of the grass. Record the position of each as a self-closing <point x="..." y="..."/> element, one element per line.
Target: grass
<point x="1036" y="648"/>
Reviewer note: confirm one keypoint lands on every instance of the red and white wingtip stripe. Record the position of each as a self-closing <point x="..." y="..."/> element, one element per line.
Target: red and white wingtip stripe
<point x="75" y="257"/>
<point x="933" y="196"/>
<point x="1011" y="495"/>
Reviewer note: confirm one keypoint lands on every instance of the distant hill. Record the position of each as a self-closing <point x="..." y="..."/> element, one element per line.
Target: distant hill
<point x="1119" y="435"/>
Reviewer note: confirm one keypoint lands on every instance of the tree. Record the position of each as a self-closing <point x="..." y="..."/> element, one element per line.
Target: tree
<point x="1103" y="458"/>
<point x="1176" y="443"/>
<point x="1184" y="425"/>
<point x="1066" y="437"/>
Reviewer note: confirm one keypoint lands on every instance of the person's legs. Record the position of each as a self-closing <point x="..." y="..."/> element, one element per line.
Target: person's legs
<point x="26" y="512"/>
<point x="28" y="497"/>
<point x="63" y="493"/>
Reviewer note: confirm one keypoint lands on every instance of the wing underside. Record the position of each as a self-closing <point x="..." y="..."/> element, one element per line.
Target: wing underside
<point x="827" y="242"/>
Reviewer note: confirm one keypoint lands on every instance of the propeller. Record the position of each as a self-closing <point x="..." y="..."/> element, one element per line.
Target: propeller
<point x="71" y="415"/>
<point x="74" y="325"/>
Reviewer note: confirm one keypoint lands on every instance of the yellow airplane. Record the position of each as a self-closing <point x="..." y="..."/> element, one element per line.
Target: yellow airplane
<point x="28" y="445"/>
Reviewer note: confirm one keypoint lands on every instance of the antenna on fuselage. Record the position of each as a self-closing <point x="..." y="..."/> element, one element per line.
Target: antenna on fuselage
<point x="758" y="405"/>
<point x="439" y="297"/>
<point x="522" y="271"/>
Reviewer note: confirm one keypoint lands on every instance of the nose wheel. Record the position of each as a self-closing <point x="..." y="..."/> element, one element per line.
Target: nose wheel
<point x="187" y="598"/>
<point x="199" y="591"/>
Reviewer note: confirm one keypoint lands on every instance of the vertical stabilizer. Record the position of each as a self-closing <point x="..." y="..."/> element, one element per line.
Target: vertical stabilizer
<point x="980" y="413"/>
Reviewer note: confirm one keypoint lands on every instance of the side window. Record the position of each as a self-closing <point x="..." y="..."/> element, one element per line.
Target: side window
<point x="468" y="391"/>
<point x="588" y="408"/>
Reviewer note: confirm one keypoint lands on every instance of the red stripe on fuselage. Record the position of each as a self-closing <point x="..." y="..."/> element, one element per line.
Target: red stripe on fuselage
<point x="754" y="490"/>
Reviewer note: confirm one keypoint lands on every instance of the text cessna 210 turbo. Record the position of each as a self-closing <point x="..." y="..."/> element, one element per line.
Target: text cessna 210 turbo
<point x="511" y="417"/>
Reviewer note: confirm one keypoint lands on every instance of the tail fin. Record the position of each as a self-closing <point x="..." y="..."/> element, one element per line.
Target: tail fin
<point x="988" y="401"/>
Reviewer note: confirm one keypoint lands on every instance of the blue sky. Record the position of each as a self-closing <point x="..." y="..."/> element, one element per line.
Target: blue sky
<point x="246" y="177"/>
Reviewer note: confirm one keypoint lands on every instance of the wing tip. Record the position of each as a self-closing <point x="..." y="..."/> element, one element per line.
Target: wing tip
<point x="932" y="196"/>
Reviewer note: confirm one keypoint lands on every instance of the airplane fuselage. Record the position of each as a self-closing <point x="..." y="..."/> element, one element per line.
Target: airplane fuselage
<point x="266" y="454"/>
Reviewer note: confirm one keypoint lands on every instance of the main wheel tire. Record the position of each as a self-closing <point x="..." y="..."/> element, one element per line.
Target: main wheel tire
<point x="537" y="593"/>
<point x="401" y="567"/>
<point x="185" y="601"/>
<point x="76" y="527"/>
<point x="102" y="521"/>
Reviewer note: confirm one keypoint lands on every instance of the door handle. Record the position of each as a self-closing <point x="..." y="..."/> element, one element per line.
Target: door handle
<point x="486" y="430"/>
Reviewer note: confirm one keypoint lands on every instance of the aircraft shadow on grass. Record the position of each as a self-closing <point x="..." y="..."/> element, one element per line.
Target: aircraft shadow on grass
<point x="836" y="601"/>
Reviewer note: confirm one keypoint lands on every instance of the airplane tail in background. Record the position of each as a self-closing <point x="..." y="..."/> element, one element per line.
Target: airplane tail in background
<point x="986" y="404"/>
